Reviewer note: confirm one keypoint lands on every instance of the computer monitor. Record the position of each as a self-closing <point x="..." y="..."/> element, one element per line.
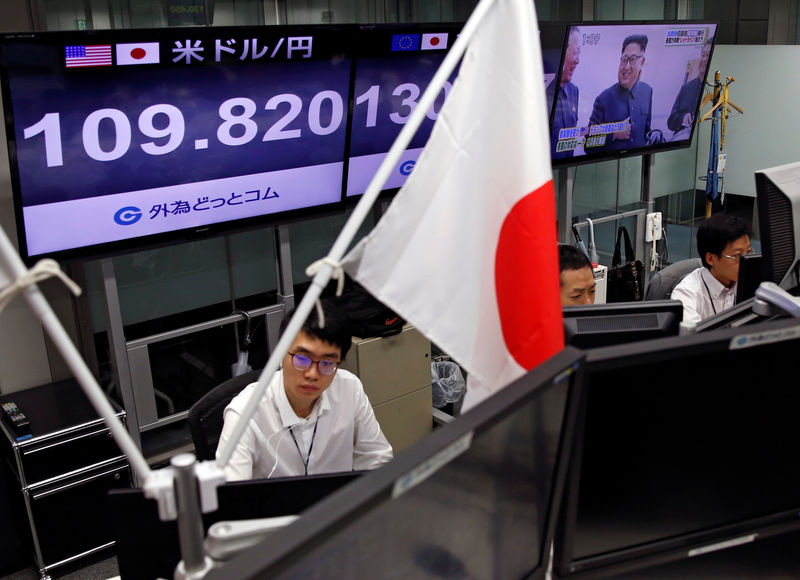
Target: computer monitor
<point x="751" y="274"/>
<point x="596" y="325"/>
<point x="477" y="498"/>
<point x="778" y="201"/>
<point x="683" y="446"/>
<point x="148" y="548"/>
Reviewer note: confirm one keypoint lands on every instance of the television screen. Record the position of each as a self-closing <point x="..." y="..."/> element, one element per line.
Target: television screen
<point x="629" y="88"/>
<point x="684" y="446"/>
<point x="596" y="325"/>
<point x="122" y="135"/>
<point x="477" y="498"/>
<point x="778" y="200"/>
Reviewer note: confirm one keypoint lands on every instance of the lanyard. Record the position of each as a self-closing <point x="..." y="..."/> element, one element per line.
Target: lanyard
<point x="311" y="445"/>
<point x="710" y="297"/>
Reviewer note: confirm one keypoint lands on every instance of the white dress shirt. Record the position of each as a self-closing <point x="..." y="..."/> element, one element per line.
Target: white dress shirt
<point x="702" y="295"/>
<point x="341" y="432"/>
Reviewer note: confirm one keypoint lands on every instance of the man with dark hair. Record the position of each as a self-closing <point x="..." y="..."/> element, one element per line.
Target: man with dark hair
<point x="621" y="115"/>
<point x="577" y="277"/>
<point x="313" y="417"/>
<point x="721" y="242"/>
<point x="683" y="110"/>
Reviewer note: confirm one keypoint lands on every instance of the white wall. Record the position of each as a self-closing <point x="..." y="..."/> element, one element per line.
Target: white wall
<point x="766" y="88"/>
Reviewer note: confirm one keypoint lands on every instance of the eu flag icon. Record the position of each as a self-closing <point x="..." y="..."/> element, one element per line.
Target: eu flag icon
<point x="405" y="42"/>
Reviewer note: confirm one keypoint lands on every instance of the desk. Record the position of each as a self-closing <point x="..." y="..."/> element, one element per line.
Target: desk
<point x="62" y="473"/>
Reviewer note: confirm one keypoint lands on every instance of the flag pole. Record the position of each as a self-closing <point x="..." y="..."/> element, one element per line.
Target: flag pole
<point x="350" y="229"/>
<point x="38" y="303"/>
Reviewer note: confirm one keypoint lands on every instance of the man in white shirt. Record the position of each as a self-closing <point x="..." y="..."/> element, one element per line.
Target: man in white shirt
<point x="313" y="418"/>
<point x="721" y="242"/>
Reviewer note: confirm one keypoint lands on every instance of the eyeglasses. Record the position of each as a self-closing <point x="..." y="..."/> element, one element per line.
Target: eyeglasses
<point x="749" y="252"/>
<point x="302" y="363"/>
<point x="625" y="60"/>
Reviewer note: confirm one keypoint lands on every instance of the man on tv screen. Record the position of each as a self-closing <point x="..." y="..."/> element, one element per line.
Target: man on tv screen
<point x="566" y="108"/>
<point x="622" y="112"/>
<point x="313" y="418"/>
<point x="577" y="277"/>
<point x="683" y="110"/>
<point x="721" y="242"/>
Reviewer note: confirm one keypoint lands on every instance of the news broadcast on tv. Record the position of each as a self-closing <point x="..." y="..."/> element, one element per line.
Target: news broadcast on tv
<point x="629" y="87"/>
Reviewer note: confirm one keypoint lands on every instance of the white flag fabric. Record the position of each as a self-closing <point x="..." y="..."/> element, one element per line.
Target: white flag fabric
<point x="467" y="250"/>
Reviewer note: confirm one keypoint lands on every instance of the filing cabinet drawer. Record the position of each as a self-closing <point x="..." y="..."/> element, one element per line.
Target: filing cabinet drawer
<point x="69" y="516"/>
<point x="48" y="458"/>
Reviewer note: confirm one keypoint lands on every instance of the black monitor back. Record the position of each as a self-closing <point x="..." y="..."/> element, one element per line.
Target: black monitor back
<point x="148" y="548"/>
<point x="477" y="498"/>
<point x="778" y="201"/>
<point x="598" y="325"/>
<point x="751" y="273"/>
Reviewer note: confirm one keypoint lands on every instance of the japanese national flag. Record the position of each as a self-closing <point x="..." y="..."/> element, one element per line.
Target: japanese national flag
<point x="437" y="41"/>
<point x="138" y="53"/>
<point x="467" y="251"/>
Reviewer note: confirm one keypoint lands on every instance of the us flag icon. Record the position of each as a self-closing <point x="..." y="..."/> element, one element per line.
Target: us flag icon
<point x="89" y="55"/>
<point x="137" y="53"/>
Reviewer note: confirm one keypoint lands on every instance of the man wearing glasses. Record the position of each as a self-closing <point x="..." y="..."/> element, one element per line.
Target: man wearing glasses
<point x="621" y="114"/>
<point x="721" y="242"/>
<point x="314" y="417"/>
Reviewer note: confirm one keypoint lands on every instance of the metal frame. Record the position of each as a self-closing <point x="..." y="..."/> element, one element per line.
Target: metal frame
<point x="130" y="360"/>
<point x="566" y="185"/>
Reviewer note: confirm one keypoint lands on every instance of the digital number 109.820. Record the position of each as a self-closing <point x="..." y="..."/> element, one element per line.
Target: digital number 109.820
<point x="166" y="123"/>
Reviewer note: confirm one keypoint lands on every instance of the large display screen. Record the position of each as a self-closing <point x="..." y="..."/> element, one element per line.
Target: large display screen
<point x="124" y="137"/>
<point x="120" y="135"/>
<point x="627" y="89"/>
<point x="392" y="70"/>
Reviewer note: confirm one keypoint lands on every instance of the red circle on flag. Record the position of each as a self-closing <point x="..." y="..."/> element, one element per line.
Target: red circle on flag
<point x="138" y="53"/>
<point x="434" y="41"/>
<point x="527" y="280"/>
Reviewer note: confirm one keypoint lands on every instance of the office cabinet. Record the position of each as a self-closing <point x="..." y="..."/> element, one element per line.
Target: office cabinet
<point x="62" y="470"/>
<point x="396" y="373"/>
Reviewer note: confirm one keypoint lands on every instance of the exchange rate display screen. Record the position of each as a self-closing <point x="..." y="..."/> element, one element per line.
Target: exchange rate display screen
<point x="393" y="68"/>
<point x="119" y="135"/>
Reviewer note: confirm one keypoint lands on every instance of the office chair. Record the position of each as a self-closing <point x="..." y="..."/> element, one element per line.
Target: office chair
<point x="205" y="416"/>
<point x="663" y="281"/>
